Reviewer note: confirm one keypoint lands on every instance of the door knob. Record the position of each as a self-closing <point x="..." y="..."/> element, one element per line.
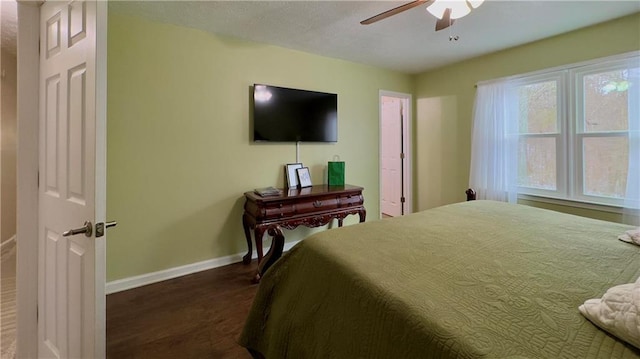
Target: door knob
<point x="87" y="229"/>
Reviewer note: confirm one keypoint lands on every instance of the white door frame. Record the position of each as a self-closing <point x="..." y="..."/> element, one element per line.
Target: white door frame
<point x="27" y="171"/>
<point x="407" y="103"/>
<point x="1" y="239"/>
<point x="27" y="178"/>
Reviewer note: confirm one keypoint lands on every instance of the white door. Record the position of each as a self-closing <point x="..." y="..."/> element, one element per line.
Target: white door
<point x="71" y="298"/>
<point x="391" y="158"/>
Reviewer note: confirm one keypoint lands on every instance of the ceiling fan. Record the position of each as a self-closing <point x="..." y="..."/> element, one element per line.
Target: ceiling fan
<point x="446" y="11"/>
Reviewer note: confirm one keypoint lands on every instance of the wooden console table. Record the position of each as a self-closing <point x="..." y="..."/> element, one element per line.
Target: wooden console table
<point x="311" y="206"/>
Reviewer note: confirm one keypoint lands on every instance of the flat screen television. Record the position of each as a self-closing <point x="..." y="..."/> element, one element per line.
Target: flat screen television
<point x="290" y="115"/>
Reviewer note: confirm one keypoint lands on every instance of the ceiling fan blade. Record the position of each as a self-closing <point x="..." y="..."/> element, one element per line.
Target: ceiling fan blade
<point x="395" y="11"/>
<point x="446" y="20"/>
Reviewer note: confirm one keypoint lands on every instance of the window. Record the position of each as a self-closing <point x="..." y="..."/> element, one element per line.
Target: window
<point x="539" y="114"/>
<point x="573" y="130"/>
<point x="570" y="133"/>
<point x="607" y="109"/>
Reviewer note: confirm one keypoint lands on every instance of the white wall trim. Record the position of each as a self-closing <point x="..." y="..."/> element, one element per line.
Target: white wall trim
<point x="159" y="276"/>
<point x="100" y="184"/>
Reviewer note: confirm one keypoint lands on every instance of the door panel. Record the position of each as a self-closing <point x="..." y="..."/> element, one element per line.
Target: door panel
<point x="68" y="286"/>
<point x="391" y="161"/>
<point x="77" y="167"/>
<point x="52" y="103"/>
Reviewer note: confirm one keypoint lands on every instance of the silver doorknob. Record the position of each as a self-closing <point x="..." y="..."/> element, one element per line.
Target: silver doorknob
<point x="87" y="229"/>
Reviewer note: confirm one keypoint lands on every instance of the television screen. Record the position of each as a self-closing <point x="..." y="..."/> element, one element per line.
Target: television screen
<point x="289" y="115"/>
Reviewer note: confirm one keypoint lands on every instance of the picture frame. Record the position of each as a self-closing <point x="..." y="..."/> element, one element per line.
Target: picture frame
<point x="291" y="174"/>
<point x="304" y="177"/>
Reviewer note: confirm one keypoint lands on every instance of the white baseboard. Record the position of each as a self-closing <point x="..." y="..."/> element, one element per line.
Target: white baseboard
<point x="154" y="277"/>
<point x="8" y="241"/>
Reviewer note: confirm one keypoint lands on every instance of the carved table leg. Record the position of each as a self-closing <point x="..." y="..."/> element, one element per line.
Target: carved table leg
<point x="363" y="215"/>
<point x="275" y="252"/>
<point x="339" y="222"/>
<point x="247" y="233"/>
<point x="258" y="233"/>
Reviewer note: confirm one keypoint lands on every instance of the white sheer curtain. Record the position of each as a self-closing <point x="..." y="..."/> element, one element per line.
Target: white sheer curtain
<point x="632" y="194"/>
<point x="494" y="144"/>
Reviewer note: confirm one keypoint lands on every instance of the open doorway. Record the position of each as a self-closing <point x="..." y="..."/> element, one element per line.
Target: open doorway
<point x="395" y="154"/>
<point x="8" y="183"/>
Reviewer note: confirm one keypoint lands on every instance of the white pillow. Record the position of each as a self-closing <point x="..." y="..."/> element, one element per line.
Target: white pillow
<point x="618" y="312"/>
<point x="631" y="236"/>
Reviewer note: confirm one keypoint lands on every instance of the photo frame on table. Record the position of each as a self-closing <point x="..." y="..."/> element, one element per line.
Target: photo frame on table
<point x="304" y="177"/>
<point x="291" y="174"/>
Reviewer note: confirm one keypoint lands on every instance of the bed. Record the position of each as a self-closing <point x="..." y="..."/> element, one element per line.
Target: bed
<point x="478" y="279"/>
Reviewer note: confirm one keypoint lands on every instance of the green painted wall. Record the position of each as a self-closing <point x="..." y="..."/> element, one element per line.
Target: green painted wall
<point x="444" y="104"/>
<point x="180" y="154"/>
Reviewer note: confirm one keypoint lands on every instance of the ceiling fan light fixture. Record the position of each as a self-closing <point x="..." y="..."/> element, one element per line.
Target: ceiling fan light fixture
<point x="459" y="8"/>
<point x="475" y="3"/>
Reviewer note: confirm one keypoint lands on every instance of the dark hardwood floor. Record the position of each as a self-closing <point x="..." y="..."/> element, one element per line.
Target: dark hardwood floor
<point x="196" y="316"/>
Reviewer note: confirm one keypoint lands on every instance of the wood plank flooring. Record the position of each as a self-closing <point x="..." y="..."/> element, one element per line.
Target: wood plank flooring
<point x="8" y="300"/>
<point x="196" y="316"/>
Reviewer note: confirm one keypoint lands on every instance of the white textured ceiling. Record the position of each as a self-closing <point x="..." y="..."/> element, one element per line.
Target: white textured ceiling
<point x="8" y="25"/>
<point x="406" y="42"/>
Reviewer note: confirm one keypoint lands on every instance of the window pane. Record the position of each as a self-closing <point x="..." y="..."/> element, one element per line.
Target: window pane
<point x="537" y="163"/>
<point x="606" y="101"/>
<point x="605" y="166"/>
<point x="538" y="111"/>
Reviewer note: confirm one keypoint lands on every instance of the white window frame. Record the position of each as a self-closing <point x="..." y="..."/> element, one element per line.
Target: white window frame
<point x="569" y="161"/>
<point x="560" y="76"/>
<point x="579" y="133"/>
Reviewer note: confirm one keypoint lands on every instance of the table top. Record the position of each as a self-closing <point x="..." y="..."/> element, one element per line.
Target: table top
<point x="304" y="192"/>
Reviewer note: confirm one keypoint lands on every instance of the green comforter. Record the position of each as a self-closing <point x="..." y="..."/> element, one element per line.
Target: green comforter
<point x="470" y="280"/>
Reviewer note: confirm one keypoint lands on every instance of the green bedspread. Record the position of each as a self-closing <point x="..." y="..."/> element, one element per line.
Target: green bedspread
<point x="478" y="279"/>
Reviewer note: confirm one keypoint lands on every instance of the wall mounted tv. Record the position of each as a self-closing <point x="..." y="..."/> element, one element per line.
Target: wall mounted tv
<point x="290" y="115"/>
